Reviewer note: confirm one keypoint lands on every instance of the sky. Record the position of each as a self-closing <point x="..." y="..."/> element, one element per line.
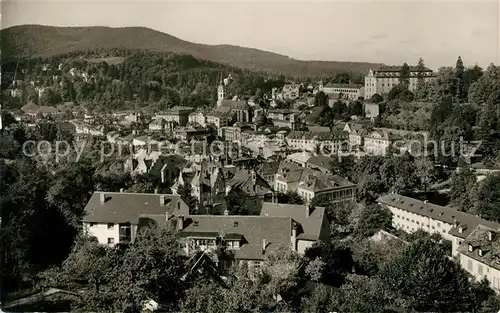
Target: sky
<point x="390" y="32"/>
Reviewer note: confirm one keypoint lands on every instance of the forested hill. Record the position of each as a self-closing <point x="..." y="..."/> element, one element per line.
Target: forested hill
<point x="49" y="41"/>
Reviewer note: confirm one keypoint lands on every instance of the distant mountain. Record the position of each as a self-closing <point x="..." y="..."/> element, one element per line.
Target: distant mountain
<point x="48" y="41"/>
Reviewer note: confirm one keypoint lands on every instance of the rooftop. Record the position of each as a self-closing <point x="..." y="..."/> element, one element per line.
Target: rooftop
<point x="120" y="207"/>
<point x="313" y="221"/>
<point x="464" y="223"/>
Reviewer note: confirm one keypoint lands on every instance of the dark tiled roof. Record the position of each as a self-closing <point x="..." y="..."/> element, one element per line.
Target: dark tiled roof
<point x="242" y="181"/>
<point x="235" y="104"/>
<point x="313" y="226"/>
<point x="479" y="240"/>
<point x="127" y="207"/>
<point x="321" y="183"/>
<point x="268" y="168"/>
<point x="30" y="108"/>
<point x="468" y="222"/>
<point x="320" y="161"/>
<point x="276" y="231"/>
<point x="397" y="68"/>
<point x="353" y="86"/>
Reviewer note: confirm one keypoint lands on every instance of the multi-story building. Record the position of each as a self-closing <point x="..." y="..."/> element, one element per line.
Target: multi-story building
<point x="474" y="240"/>
<point x="377" y="142"/>
<point x="113" y="217"/>
<point x="230" y="133"/>
<point x="356" y="134"/>
<point x="290" y="91"/>
<point x="177" y="114"/>
<point x="309" y="183"/>
<point x="382" y="80"/>
<point x="198" y="117"/>
<point x="268" y="171"/>
<point x="344" y="91"/>
<point x="220" y="117"/>
<point x="322" y="142"/>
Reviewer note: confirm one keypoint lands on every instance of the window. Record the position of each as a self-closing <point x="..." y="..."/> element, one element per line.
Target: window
<point x="111" y="241"/>
<point x="439" y="225"/>
<point x="480" y="269"/>
<point x="111" y="225"/>
<point x="125" y="232"/>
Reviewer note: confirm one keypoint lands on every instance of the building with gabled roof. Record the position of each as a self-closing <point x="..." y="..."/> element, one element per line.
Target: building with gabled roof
<point x="113" y="217"/>
<point x="312" y="222"/>
<point x="383" y="79"/>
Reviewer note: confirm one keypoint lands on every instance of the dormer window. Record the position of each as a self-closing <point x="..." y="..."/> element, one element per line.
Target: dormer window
<point x="470" y="248"/>
<point x="195" y="223"/>
<point x="480" y="252"/>
<point x="235" y="224"/>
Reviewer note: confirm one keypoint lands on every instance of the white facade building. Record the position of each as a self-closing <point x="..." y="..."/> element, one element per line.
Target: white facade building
<point x="382" y="80"/>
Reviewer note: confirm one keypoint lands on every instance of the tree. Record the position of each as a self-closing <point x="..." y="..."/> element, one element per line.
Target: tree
<point x="480" y="90"/>
<point x="427" y="279"/>
<point x="486" y="198"/>
<point x="364" y="294"/>
<point x="321" y="99"/>
<point x="341" y="78"/>
<point x="404" y="76"/>
<point x="337" y="259"/>
<point x="290" y="197"/>
<point x="321" y="299"/>
<point x="373" y="218"/>
<point x="462" y="182"/>
<point x="376" y="98"/>
<point x="461" y="91"/>
<point x="425" y="171"/>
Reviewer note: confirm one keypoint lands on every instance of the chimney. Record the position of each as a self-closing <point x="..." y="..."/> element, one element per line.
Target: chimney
<point x="102" y="197"/>
<point x="162" y="200"/>
<point x="263" y="246"/>
<point x="121" y="190"/>
<point x="490" y="235"/>
<point x="180" y="222"/>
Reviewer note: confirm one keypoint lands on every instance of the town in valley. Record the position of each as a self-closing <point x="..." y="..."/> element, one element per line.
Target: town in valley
<point x="143" y="173"/>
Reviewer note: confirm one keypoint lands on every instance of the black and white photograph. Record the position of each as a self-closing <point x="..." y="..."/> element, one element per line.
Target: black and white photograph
<point x="250" y="156"/>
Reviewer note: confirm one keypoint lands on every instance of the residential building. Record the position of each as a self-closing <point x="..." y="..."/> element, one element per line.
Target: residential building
<point x="309" y="183"/>
<point x="334" y="188"/>
<point x="220" y="117"/>
<point x="113" y="217"/>
<point x="178" y="114"/>
<point x="480" y="255"/>
<point x="300" y="158"/>
<point x="198" y="117"/>
<point x="383" y="79"/>
<point x="248" y="183"/>
<point x="474" y="240"/>
<point x="230" y="133"/>
<point x="322" y="142"/>
<point x="290" y="91"/>
<point x="356" y="134"/>
<point x="344" y="91"/>
<point x="320" y="163"/>
<point x="268" y="171"/>
<point x="157" y="125"/>
<point x="377" y="142"/>
<point x="312" y="222"/>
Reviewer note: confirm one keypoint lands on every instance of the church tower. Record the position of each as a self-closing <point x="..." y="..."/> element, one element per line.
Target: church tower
<point x="220" y="94"/>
